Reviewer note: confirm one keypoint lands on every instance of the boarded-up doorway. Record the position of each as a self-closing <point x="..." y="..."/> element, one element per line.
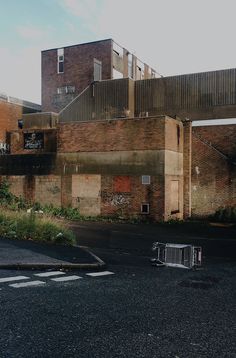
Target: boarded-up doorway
<point x="86" y="194"/>
<point x="174" y="196"/>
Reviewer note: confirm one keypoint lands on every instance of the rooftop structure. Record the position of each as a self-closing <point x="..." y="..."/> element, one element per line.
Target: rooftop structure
<point x="67" y="71"/>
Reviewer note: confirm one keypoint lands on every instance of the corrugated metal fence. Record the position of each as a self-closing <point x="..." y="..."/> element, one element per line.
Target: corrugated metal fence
<point x="111" y="99"/>
<point x="198" y="90"/>
<point x="101" y="100"/>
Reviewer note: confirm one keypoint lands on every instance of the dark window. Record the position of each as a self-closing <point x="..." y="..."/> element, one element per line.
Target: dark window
<point x="145" y="208"/>
<point x="60" y="67"/>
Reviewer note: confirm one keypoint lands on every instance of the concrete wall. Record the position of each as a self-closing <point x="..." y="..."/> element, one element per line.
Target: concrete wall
<point x="48" y="190"/>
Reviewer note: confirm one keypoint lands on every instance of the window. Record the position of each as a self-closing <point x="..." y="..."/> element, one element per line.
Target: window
<point x="130" y="65"/>
<point x="60" y="60"/>
<point x="153" y="74"/>
<point x="117" y="74"/>
<point x="117" y="50"/>
<point x="122" y="184"/>
<point x="146" y="179"/>
<point x="145" y="208"/>
<point x="140" y="70"/>
<point x="174" y="192"/>
<point x="66" y="90"/>
<point x="97" y="74"/>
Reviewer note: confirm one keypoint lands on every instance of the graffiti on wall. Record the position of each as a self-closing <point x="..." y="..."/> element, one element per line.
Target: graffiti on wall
<point x="4" y="148"/>
<point x="119" y="200"/>
<point x="33" y="140"/>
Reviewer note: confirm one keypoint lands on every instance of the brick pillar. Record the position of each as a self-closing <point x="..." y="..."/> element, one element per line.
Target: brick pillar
<point x="187" y="168"/>
<point x="66" y="187"/>
<point x="29" y="188"/>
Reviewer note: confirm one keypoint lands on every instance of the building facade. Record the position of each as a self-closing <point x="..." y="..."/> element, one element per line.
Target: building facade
<point x="67" y="71"/>
<point x="83" y="165"/>
<point x="127" y="148"/>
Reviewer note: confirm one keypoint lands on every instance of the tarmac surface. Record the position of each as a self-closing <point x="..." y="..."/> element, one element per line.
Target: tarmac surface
<point x="23" y="254"/>
<point x="133" y="238"/>
<point x="216" y="241"/>
<point x="130" y="308"/>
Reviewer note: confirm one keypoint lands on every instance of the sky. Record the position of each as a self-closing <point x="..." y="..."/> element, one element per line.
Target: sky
<point x="173" y="36"/>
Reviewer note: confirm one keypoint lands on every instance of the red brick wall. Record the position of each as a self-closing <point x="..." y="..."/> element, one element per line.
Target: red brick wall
<point x="78" y="71"/>
<point x="128" y="203"/>
<point x="9" y="115"/>
<point x="115" y="135"/>
<point x="213" y="176"/>
<point x="187" y="166"/>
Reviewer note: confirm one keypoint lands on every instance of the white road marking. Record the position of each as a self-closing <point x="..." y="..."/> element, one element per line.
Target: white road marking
<point x="103" y="273"/>
<point x="27" y="284"/>
<point x="67" y="278"/>
<point x="15" y="278"/>
<point x="48" y="274"/>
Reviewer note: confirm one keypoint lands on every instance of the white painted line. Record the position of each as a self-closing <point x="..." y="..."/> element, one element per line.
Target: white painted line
<point x="27" y="284"/>
<point x="103" y="273"/>
<point x="15" y="278"/>
<point x="48" y="274"/>
<point x="67" y="278"/>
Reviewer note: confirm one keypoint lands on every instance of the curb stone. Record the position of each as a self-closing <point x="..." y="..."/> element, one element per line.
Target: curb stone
<point x="67" y="265"/>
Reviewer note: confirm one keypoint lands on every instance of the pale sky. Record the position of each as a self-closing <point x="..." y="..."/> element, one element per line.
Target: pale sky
<point x="173" y="36"/>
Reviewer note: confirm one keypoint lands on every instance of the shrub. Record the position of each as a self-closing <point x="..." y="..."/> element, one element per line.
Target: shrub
<point x="227" y="214"/>
<point x="30" y="227"/>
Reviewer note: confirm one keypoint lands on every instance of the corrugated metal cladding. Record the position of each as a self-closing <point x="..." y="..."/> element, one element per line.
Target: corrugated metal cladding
<point x="101" y="100"/>
<point x="198" y="90"/>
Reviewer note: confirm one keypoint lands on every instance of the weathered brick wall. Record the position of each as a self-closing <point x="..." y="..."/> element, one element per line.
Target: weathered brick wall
<point x="16" y="184"/>
<point x="187" y="167"/>
<point x="78" y="71"/>
<point x="213" y="168"/>
<point x="126" y="201"/>
<point x="9" y="115"/>
<point x="16" y="139"/>
<point x="114" y="135"/>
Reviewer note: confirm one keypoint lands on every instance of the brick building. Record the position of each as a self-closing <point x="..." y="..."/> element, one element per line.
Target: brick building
<point x="67" y="71"/>
<point x="11" y="111"/>
<point x="88" y="168"/>
<point x="127" y="147"/>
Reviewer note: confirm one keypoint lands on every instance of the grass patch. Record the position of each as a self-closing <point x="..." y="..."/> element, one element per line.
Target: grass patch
<point x="15" y="225"/>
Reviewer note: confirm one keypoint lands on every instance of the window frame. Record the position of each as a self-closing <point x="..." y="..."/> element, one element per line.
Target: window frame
<point x="60" y="60"/>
